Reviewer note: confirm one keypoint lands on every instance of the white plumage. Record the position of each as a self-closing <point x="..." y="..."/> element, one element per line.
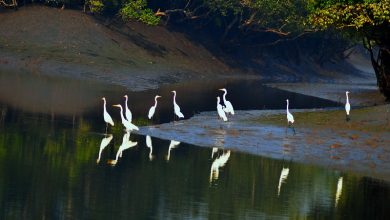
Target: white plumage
<point x="106" y="116"/>
<point x="129" y="116"/>
<point x="176" y="107"/>
<point x="347" y="105"/>
<point x="228" y="105"/>
<point x="153" y="108"/>
<point x="128" y="125"/>
<point x="290" y="117"/>
<point x="220" y="111"/>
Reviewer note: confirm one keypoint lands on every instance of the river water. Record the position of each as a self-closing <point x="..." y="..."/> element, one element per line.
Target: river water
<point x="50" y="141"/>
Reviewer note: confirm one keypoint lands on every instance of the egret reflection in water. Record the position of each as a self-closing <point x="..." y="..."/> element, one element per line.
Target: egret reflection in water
<point x="173" y="144"/>
<point x="339" y="190"/>
<point x="105" y="142"/>
<point x="218" y="163"/>
<point x="126" y="144"/>
<point x="150" y="146"/>
<point x="283" y="178"/>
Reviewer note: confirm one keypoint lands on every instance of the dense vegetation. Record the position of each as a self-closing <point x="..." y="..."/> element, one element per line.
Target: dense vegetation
<point x="367" y="19"/>
<point x="235" y="21"/>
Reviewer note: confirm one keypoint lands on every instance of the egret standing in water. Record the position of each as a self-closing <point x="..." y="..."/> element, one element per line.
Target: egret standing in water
<point x="347" y="107"/>
<point x="220" y="111"/>
<point x="228" y="105"/>
<point x="153" y="108"/>
<point x="176" y="107"/>
<point x="129" y="116"/>
<point x="128" y="125"/>
<point x="290" y="118"/>
<point x="106" y="116"/>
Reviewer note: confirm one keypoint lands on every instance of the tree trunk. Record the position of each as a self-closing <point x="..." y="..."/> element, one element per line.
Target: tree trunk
<point x="382" y="70"/>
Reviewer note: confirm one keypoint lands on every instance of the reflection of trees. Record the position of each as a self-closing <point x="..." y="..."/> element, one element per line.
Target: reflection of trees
<point x="50" y="170"/>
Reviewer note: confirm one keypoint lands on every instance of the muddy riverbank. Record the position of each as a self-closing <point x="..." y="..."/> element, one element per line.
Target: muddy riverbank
<point x="322" y="137"/>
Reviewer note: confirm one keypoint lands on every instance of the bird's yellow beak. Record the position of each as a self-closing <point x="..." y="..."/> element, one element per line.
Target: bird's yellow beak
<point x="116" y="105"/>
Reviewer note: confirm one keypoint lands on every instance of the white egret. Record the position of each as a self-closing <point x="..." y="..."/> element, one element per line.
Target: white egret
<point x="228" y="105"/>
<point x="339" y="190"/>
<point x="218" y="163"/>
<point x="106" y="116"/>
<point x="283" y="178"/>
<point x="128" y="125"/>
<point x="149" y="145"/>
<point x="173" y="144"/>
<point x="128" y="114"/>
<point x="176" y="106"/>
<point x="347" y="106"/>
<point x="105" y="142"/>
<point x="290" y="118"/>
<point x="126" y="144"/>
<point x="153" y="108"/>
<point x="220" y="111"/>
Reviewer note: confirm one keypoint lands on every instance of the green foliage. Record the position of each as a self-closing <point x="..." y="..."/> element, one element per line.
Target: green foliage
<point x="96" y="6"/>
<point x="137" y="10"/>
<point x="364" y="14"/>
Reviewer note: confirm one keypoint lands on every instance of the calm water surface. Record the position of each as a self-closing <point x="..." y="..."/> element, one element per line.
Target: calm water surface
<point x="50" y="140"/>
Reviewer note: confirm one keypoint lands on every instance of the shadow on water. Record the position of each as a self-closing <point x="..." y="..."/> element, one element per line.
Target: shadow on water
<point x="65" y="97"/>
<point x="50" y="171"/>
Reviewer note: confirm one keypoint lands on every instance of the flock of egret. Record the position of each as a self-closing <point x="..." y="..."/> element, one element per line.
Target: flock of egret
<point x="222" y="110"/>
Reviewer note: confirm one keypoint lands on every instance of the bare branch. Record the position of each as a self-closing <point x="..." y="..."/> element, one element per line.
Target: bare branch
<point x="284" y="39"/>
<point x="14" y="3"/>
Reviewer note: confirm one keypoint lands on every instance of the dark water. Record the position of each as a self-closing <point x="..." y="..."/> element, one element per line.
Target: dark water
<point x="50" y="141"/>
<point x="49" y="170"/>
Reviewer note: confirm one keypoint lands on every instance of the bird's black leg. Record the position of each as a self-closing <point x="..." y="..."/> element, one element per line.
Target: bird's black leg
<point x="293" y="129"/>
<point x="347" y="118"/>
<point x="106" y="127"/>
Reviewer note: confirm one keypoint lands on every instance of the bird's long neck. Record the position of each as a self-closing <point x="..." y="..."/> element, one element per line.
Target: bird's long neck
<point x="104" y="106"/>
<point x="217" y="101"/>
<point x="347" y="97"/>
<point x="155" y="101"/>
<point x="126" y="102"/>
<point x="287" y="107"/>
<point x="224" y="96"/>
<point x="174" y="97"/>
<point x="122" y="117"/>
